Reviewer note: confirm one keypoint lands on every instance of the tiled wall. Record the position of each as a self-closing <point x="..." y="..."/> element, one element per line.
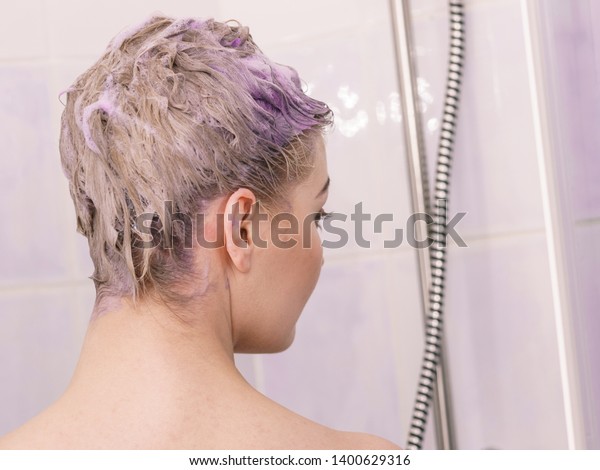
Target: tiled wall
<point x="573" y="61"/>
<point x="505" y="378"/>
<point x="355" y="361"/>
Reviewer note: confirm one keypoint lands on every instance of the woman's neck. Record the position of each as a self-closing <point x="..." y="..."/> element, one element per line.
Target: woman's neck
<point x="144" y="365"/>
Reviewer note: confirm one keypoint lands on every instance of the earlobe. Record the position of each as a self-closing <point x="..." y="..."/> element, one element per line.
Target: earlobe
<point x="238" y="230"/>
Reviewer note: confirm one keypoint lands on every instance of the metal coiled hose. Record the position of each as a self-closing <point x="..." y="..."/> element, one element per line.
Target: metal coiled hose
<point x="437" y="230"/>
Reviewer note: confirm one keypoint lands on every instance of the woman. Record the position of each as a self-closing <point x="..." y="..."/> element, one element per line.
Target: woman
<point x="198" y="172"/>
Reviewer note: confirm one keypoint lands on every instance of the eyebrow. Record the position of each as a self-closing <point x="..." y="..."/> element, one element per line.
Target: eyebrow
<point x="324" y="187"/>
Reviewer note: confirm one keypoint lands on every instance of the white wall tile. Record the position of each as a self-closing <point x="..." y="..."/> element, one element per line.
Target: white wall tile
<point x="23" y="30"/>
<point x="502" y="346"/>
<point x="86" y="298"/>
<point x="406" y="327"/>
<point x="427" y="7"/>
<point x="85" y="28"/>
<point x="33" y="236"/>
<point x="40" y="339"/>
<point x="494" y="170"/>
<point x="275" y="22"/>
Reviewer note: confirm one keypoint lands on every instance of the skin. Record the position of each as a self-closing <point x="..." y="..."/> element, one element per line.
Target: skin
<point x="146" y="380"/>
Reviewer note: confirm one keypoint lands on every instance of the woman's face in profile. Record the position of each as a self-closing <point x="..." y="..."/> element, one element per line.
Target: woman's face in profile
<point x="287" y="270"/>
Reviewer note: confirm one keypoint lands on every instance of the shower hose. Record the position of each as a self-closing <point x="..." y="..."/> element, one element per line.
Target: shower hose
<point x="437" y="230"/>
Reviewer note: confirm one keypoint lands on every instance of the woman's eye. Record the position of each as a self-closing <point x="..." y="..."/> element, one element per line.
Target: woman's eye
<point x="322" y="215"/>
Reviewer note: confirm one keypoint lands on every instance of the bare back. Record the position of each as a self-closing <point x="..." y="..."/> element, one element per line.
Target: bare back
<point x="256" y="423"/>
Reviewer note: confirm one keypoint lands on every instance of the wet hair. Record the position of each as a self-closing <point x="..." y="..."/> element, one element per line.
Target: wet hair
<point x="184" y="111"/>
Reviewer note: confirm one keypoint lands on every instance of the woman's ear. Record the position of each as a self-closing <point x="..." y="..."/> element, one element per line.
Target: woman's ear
<point x="238" y="228"/>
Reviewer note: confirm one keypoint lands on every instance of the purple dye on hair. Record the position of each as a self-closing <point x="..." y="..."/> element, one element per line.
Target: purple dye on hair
<point x="197" y="23"/>
<point x="282" y="109"/>
<point x="277" y="90"/>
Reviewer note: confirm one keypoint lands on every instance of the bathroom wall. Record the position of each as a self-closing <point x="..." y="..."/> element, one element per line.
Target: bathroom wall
<point x="502" y="342"/>
<point x="572" y="62"/>
<point x="355" y="361"/>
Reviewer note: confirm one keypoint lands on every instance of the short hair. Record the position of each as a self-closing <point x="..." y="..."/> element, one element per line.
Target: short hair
<point x="180" y="110"/>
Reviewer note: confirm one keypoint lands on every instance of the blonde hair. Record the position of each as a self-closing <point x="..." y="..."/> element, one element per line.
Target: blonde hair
<point x="185" y="111"/>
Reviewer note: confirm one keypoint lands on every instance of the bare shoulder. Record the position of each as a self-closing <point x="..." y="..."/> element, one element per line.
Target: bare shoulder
<point x="33" y="434"/>
<point x="5" y="442"/>
<point x="293" y="431"/>
<point x="13" y="441"/>
<point x="363" y="441"/>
